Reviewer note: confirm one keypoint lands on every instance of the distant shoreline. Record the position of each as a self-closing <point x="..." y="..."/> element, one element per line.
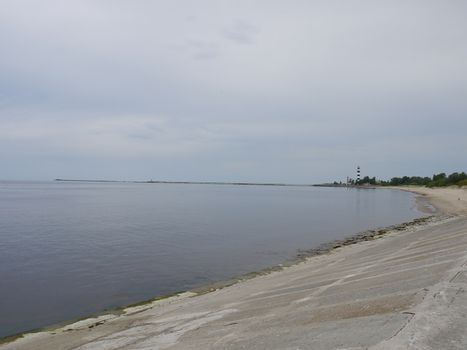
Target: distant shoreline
<point x="220" y="183"/>
<point x="192" y="182"/>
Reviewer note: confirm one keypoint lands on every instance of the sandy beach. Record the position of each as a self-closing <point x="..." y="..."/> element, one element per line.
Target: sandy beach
<point x="401" y="289"/>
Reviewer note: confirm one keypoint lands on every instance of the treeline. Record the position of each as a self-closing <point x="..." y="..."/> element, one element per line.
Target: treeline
<point x="367" y="180"/>
<point x="438" y="180"/>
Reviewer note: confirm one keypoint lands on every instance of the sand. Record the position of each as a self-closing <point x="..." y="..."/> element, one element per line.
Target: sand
<point x="402" y="290"/>
<point x="452" y="200"/>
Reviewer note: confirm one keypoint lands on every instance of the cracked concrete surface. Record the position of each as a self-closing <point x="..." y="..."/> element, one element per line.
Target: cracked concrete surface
<point x="406" y="290"/>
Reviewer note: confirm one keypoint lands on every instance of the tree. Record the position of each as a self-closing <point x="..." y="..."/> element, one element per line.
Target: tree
<point x="440" y="176"/>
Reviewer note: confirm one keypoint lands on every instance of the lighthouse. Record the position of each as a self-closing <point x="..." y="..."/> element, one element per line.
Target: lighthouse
<point x="358" y="174"/>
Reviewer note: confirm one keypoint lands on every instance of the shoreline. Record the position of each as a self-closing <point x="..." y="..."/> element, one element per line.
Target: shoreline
<point x="453" y="200"/>
<point x="303" y="258"/>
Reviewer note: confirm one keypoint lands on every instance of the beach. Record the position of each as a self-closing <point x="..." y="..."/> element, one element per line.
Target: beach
<point x="400" y="289"/>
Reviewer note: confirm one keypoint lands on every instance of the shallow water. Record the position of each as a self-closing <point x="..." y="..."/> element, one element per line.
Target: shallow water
<point x="71" y="249"/>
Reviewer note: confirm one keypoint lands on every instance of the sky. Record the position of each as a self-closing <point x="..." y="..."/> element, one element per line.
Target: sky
<point x="259" y="90"/>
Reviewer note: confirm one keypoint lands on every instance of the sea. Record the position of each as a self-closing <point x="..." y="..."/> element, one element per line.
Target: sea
<point x="72" y="249"/>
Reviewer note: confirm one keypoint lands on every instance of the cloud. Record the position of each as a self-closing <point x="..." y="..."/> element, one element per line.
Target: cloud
<point x="207" y="89"/>
<point x="240" y="32"/>
<point x="204" y="50"/>
<point x="104" y="136"/>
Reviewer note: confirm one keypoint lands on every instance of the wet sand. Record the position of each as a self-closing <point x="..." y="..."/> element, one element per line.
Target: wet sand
<point x="402" y="289"/>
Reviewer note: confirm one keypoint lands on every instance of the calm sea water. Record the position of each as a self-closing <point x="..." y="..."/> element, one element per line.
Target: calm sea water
<point x="71" y="249"/>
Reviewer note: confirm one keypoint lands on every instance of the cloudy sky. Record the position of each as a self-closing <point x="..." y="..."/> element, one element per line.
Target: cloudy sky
<point x="289" y="91"/>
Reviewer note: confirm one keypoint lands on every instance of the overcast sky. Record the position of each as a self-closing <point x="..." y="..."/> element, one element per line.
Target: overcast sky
<point x="289" y="91"/>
